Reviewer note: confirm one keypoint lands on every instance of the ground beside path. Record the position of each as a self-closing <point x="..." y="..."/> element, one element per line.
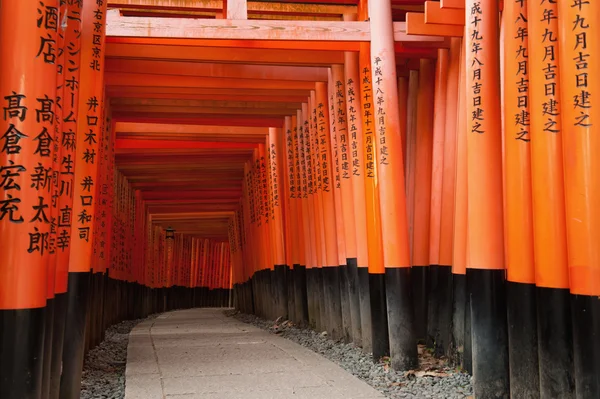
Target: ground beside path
<point x="201" y="353"/>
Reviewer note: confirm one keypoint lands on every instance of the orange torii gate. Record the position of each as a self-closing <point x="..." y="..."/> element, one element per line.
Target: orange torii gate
<point x="392" y="173"/>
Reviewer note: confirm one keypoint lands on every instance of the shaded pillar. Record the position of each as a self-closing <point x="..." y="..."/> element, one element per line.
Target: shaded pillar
<point x="521" y="294"/>
<point x="578" y="28"/>
<point x="485" y="262"/>
<point x="380" y="344"/>
<point x="392" y="200"/>
<point x="555" y="341"/>
<point x="28" y="94"/>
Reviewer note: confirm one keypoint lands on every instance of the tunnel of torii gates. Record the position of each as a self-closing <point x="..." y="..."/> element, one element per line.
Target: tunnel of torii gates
<point x="409" y="171"/>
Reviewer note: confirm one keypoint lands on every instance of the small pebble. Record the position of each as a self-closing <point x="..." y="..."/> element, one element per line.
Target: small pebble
<point x="391" y="383"/>
<point x="104" y="366"/>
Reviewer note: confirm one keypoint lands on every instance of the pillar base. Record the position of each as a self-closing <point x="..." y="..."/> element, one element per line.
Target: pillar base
<point x="522" y="340"/>
<point x="22" y="348"/>
<point x="353" y="293"/>
<point x="403" y="342"/>
<point x="379" y="322"/>
<point x="74" y="345"/>
<point x="586" y="341"/>
<point x="489" y="333"/>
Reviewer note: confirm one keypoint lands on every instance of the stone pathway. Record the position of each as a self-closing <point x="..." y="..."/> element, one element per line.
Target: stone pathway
<point x="201" y="353"/>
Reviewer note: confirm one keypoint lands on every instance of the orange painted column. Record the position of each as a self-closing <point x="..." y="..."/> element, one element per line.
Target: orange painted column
<point x="520" y="268"/>
<point x="421" y="152"/>
<point x="314" y="278"/>
<point x="291" y="130"/>
<point x="358" y="272"/>
<point x="378" y="310"/>
<point x="578" y="30"/>
<point x="330" y="272"/>
<point x="440" y="315"/>
<point x="436" y="294"/>
<point x="336" y="177"/>
<point x="394" y="226"/>
<point x="339" y="212"/>
<point x="555" y="350"/>
<point x="28" y="94"/>
<point x="410" y="164"/>
<point x="349" y="274"/>
<point x="485" y="263"/>
<point x="300" y="279"/>
<point x="437" y="171"/>
<point x="459" y="252"/>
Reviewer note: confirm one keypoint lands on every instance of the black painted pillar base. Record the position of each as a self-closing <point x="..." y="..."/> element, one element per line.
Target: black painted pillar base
<point x="439" y="314"/>
<point x="468" y="354"/>
<point x="48" y="341"/>
<point x="345" y="304"/>
<point x="290" y="282"/>
<point x="456" y="349"/>
<point x="323" y="318"/>
<point x="60" y="312"/>
<point x="555" y="340"/>
<point x="420" y="290"/>
<point x="332" y="297"/>
<point x="586" y="340"/>
<point x="401" y="326"/>
<point x="379" y="323"/>
<point x="364" y="299"/>
<point x="22" y="349"/>
<point x="300" y="296"/>
<point x="522" y="340"/>
<point x="489" y="333"/>
<point x="281" y="287"/>
<point x="311" y="297"/>
<point x="74" y="345"/>
<point x="354" y="296"/>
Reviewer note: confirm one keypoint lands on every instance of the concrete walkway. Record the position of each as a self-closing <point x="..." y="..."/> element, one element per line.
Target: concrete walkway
<point x="200" y="353"/>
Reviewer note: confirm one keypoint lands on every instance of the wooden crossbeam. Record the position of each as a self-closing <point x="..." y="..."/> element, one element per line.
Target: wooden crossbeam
<point x="217" y="70"/>
<point x="213" y="6"/>
<point x="457" y="4"/>
<point x="352" y="31"/>
<point x="434" y="14"/>
<point x="217" y="54"/>
<point x="415" y="24"/>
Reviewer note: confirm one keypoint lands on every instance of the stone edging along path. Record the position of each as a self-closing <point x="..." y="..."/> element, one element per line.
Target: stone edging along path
<point x="434" y="380"/>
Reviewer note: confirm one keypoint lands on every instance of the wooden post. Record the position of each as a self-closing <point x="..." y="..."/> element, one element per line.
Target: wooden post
<point x="423" y="150"/>
<point x="521" y="302"/>
<point x="331" y="279"/>
<point x="485" y="263"/>
<point x="390" y="174"/>
<point x="579" y="25"/>
<point x="378" y="309"/>
<point x="549" y="231"/>
<point x="28" y="94"/>
<point x="358" y="271"/>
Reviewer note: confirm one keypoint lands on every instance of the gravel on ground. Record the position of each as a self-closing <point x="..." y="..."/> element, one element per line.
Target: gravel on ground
<point x="433" y="380"/>
<point x="104" y="366"/>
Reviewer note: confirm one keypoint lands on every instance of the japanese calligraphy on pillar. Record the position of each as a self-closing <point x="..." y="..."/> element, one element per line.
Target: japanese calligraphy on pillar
<point x="308" y="128"/>
<point x="340" y="117"/>
<point x="581" y="16"/>
<point x="304" y="162"/>
<point x="543" y="40"/>
<point x="352" y="122"/>
<point x="475" y="62"/>
<point x="334" y="139"/>
<point x="90" y="122"/>
<point x="367" y="112"/>
<point x="289" y="139"/>
<point x="322" y="132"/>
<point x="316" y="153"/>
<point x="298" y="136"/>
<point x="520" y="65"/>
<point x="380" y="115"/>
<point x="258" y="192"/>
<point x="265" y="188"/>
